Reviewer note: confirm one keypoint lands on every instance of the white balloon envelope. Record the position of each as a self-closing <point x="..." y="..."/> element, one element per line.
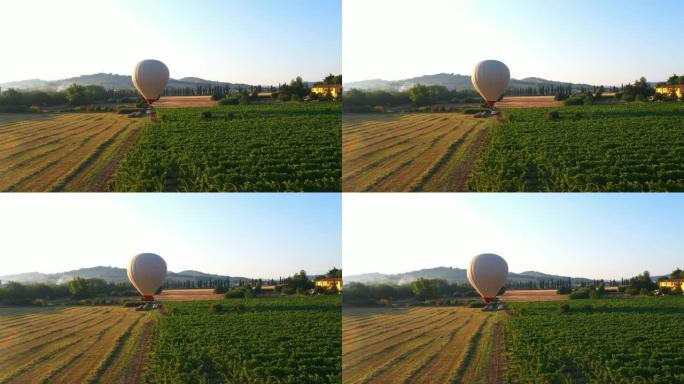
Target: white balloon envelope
<point x="490" y="79"/>
<point x="487" y="273"/>
<point x="147" y="272"/>
<point x="150" y="78"/>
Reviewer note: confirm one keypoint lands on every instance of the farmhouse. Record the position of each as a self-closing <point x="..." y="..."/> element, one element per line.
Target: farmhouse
<point x="324" y="89"/>
<point x="669" y="89"/>
<point x="671" y="283"/>
<point x="329" y="283"/>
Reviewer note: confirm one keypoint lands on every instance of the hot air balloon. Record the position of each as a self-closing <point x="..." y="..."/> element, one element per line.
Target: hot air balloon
<point x="150" y="78"/>
<point x="490" y="79"/>
<point x="487" y="273"/>
<point x="147" y="272"/>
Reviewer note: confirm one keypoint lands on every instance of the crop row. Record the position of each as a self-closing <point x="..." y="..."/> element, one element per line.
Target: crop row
<point x="280" y="147"/>
<point x="249" y="341"/>
<point x="598" y="148"/>
<point x="597" y="341"/>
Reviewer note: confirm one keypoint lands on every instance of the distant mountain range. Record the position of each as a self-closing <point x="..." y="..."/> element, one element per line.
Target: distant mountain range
<point x="452" y="275"/>
<point x="449" y="80"/>
<point x="110" y="274"/>
<point x="109" y="81"/>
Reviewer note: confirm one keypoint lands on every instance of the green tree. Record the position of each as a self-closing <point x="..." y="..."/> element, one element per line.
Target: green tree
<point x="79" y="288"/>
<point x="677" y="274"/>
<point x="76" y="95"/>
<point x="420" y="95"/>
<point x="424" y="289"/>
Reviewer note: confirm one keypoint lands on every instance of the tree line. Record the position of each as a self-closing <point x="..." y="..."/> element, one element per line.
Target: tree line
<point x="15" y="293"/>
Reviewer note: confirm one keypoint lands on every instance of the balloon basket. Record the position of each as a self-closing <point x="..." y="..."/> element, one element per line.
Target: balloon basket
<point x="494" y="306"/>
<point x="149" y="306"/>
<point x="152" y="113"/>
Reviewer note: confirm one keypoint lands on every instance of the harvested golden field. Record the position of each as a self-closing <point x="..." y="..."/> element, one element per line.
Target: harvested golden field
<point x="188" y="295"/>
<point x="533" y="295"/>
<point x="528" y="102"/>
<point x="185" y="102"/>
<point x="72" y="344"/>
<point x="62" y="152"/>
<point x="420" y="345"/>
<point x="410" y="152"/>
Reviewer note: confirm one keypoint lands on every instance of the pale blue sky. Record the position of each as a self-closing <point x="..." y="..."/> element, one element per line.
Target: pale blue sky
<point x="248" y="41"/>
<point x="587" y="235"/>
<point x="581" y="41"/>
<point x="252" y="235"/>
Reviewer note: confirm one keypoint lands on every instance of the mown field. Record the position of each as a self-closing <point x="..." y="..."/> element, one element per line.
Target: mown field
<point x="271" y="147"/>
<point x="285" y="340"/>
<point x="419" y="345"/>
<point x="71" y="345"/>
<point x="411" y="152"/>
<point x="62" y="152"/>
<point x="638" y="147"/>
<point x="636" y="340"/>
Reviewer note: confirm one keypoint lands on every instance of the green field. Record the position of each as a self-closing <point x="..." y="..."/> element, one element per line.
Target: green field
<point x="638" y="340"/>
<point x="637" y="147"/>
<point x="273" y="147"/>
<point x="285" y="340"/>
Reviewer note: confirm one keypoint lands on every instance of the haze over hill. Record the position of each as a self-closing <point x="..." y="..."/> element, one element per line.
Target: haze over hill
<point x="109" y="81"/>
<point x="452" y="275"/>
<point x="112" y="274"/>
<point x="449" y="80"/>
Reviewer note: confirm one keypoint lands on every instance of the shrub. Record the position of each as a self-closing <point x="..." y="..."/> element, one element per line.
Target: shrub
<point x="217" y="308"/>
<point x="240" y="308"/>
<point x="564" y="291"/>
<point x="560" y="96"/>
<point x="379" y="109"/>
<point x="235" y="293"/>
<point x="564" y="308"/>
<point x="230" y="100"/>
<point x="553" y="115"/>
<point x="476" y="304"/>
<point x="580" y="293"/>
<point x="205" y="115"/>
<point x="220" y="290"/>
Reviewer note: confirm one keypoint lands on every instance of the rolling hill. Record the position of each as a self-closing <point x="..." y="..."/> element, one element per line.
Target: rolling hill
<point x="452" y="275"/>
<point x="109" y="81"/>
<point x="449" y="80"/>
<point x="110" y="274"/>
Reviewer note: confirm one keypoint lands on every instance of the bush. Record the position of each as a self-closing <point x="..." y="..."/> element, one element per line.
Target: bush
<point x="217" y="308"/>
<point x="477" y="304"/>
<point x="236" y="293"/>
<point x="220" y="290"/>
<point x="581" y="293"/>
<point x="564" y="291"/>
<point x="240" y="308"/>
<point x="553" y="115"/>
<point x="230" y="100"/>
<point x="564" y="308"/>
<point x="379" y="109"/>
<point x="205" y="115"/>
<point x="561" y="96"/>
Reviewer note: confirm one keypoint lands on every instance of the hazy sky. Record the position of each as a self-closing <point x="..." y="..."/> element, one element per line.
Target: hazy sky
<point x="250" y="41"/>
<point x="252" y="235"/>
<point x="587" y="235"/>
<point x="587" y="41"/>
